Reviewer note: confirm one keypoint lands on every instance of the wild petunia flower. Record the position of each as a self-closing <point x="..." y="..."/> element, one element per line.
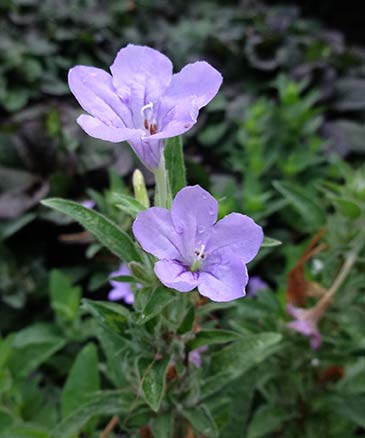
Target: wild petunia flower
<point x="195" y="251"/>
<point x="255" y="285"/>
<point x="195" y="356"/>
<point x="121" y="291"/>
<point x="142" y="101"/>
<point x="306" y="320"/>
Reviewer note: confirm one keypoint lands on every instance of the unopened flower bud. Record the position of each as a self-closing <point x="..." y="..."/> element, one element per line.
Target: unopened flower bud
<point x="139" y="188"/>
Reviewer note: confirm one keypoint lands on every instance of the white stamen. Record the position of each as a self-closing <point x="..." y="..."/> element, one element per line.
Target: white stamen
<point x="201" y="253"/>
<point x="146" y="107"/>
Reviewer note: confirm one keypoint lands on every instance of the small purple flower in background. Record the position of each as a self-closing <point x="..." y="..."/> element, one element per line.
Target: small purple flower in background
<point x="142" y="101"/>
<point x="195" y="251"/>
<point x="306" y="320"/>
<point x="88" y="203"/>
<point x="255" y="285"/>
<point x="195" y="355"/>
<point x="121" y="291"/>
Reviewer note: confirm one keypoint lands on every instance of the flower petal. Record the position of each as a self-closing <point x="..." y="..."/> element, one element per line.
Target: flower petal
<point x="97" y="129"/>
<point x="154" y="230"/>
<point x="144" y="66"/>
<point x="194" y="212"/>
<point x="239" y="233"/>
<point x="224" y="277"/>
<point x="173" y="274"/>
<point x="176" y="120"/>
<point x="148" y="151"/>
<point x="199" y="79"/>
<point x="93" y="88"/>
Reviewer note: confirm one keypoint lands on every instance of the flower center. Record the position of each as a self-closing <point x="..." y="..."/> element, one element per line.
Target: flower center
<point x="149" y="120"/>
<point x="198" y="259"/>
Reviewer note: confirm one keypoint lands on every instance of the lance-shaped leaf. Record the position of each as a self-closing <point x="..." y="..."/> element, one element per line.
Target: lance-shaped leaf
<point x="153" y="380"/>
<point x="158" y="300"/>
<point x="201" y="420"/>
<point x="112" y="315"/>
<point x="102" y="403"/>
<point x="210" y="337"/>
<point x="82" y="380"/>
<point x="102" y="228"/>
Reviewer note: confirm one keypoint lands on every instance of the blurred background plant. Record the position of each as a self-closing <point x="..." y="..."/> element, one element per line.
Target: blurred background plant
<point x="283" y="142"/>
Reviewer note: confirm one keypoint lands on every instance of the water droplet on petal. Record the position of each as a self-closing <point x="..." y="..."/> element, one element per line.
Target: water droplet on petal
<point x="211" y="212"/>
<point x="204" y="197"/>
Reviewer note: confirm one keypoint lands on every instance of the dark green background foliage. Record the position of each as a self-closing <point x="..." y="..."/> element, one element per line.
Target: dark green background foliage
<point x="282" y="142"/>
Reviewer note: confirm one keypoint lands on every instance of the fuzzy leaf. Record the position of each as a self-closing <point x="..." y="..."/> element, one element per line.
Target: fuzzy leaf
<point x="102" y="228"/>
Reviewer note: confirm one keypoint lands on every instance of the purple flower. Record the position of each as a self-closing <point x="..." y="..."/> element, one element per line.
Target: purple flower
<point x="88" y="203"/>
<point x="121" y="291"/>
<point x="306" y="320"/>
<point x="195" y="251"/>
<point x="195" y="355"/>
<point x="142" y="101"/>
<point x="255" y="285"/>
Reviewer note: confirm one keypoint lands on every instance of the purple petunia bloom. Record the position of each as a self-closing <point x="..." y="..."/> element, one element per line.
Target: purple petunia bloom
<point x="195" y="355"/>
<point x="88" y="203"/>
<point x="195" y="251"/>
<point x="142" y="101"/>
<point x="255" y="285"/>
<point x="305" y="323"/>
<point x="121" y="291"/>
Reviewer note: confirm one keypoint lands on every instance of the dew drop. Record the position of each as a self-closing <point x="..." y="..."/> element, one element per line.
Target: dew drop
<point x="204" y="197"/>
<point x="211" y="212"/>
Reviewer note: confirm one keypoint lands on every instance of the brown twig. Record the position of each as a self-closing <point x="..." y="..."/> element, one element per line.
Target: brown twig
<point x="109" y="427"/>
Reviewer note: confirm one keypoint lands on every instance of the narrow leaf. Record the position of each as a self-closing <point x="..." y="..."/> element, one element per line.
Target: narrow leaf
<point x="112" y="315"/>
<point x="82" y="380"/>
<point x="303" y="202"/>
<point x="209" y="337"/>
<point x="104" y="403"/>
<point x="158" y="300"/>
<point x="269" y="242"/>
<point x="153" y="381"/>
<point x="201" y="420"/>
<point x="128" y="204"/>
<point x="102" y="228"/>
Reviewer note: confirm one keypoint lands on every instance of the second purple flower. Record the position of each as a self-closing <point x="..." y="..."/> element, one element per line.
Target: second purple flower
<point x="195" y="251"/>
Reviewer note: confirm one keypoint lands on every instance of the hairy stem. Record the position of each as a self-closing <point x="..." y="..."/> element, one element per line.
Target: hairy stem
<point x="163" y="193"/>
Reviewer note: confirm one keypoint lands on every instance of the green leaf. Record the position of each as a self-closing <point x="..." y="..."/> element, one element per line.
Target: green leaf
<point x="350" y="406"/>
<point x="7" y="229"/>
<point x="128" y="204"/>
<point x="175" y="164"/>
<point x="348" y="208"/>
<point x="304" y="203"/>
<point x="188" y="321"/>
<point x="157" y="301"/>
<point x="83" y="379"/>
<point x="102" y="228"/>
<point x="210" y="337"/>
<point x="153" y="380"/>
<point x="112" y="315"/>
<point x="65" y="299"/>
<point x="236" y="359"/>
<point x="269" y="242"/>
<point x="163" y="425"/>
<point x="201" y="420"/>
<point x="32" y="346"/>
<point x="24" y="431"/>
<point x="105" y="403"/>
<point x="267" y="420"/>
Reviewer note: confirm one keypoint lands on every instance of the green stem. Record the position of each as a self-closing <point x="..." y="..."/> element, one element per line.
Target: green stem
<point x="163" y="196"/>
